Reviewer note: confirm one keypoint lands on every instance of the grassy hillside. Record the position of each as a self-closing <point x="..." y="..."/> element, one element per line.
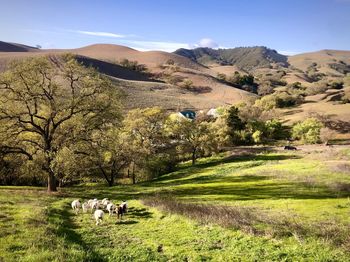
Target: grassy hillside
<point x="249" y="205"/>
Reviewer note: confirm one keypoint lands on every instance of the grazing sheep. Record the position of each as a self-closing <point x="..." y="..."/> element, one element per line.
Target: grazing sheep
<point x="86" y="207"/>
<point x="95" y="205"/>
<point x="105" y="202"/>
<point x="76" y="205"/>
<point x="122" y="209"/>
<point x="92" y="200"/>
<point x="98" y="216"/>
<point x="111" y="208"/>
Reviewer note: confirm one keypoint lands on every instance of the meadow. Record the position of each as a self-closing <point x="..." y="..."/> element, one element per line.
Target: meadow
<point x="245" y="205"/>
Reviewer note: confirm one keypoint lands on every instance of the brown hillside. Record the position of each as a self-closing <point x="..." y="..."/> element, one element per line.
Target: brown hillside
<point x="323" y="58"/>
<point x="140" y="93"/>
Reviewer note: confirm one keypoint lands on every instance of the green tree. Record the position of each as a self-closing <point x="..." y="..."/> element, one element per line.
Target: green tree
<point x="147" y="137"/>
<point x="193" y="137"/>
<point x="308" y="131"/>
<point x="44" y="107"/>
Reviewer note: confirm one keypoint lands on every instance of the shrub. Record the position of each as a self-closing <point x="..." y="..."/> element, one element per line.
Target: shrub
<point x="285" y="99"/>
<point x="221" y="77"/>
<point x="133" y="65"/>
<point x="174" y="79"/>
<point x="257" y="136"/>
<point x="187" y="83"/>
<point x="326" y="134"/>
<point x="308" y="131"/>
<point x="275" y="130"/>
<point x="337" y="85"/>
<point x="170" y="62"/>
<point x="265" y="89"/>
<point x="296" y="85"/>
<point x="279" y="100"/>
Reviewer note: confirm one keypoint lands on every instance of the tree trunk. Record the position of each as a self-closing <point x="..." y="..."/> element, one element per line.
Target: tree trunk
<point x="193" y="157"/>
<point x="111" y="181"/>
<point x="51" y="182"/>
<point x="133" y="174"/>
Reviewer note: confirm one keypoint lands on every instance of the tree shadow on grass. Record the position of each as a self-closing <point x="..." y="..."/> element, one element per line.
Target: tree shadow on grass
<point x="134" y="212"/>
<point x="184" y="172"/>
<point x="256" y="191"/>
<point x="63" y="226"/>
<point x="126" y="222"/>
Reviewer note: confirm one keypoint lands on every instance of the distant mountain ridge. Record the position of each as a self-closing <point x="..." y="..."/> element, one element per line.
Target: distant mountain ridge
<point x="242" y="57"/>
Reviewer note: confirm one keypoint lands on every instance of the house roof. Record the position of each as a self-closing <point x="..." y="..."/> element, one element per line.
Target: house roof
<point x="188" y="114"/>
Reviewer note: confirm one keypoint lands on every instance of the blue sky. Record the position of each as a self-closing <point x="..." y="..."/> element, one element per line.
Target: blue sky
<point x="289" y="26"/>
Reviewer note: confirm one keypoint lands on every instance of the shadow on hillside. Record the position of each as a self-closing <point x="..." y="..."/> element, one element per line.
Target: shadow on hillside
<point x="114" y="70"/>
<point x="63" y="227"/>
<point x="292" y="112"/>
<point x="339" y="125"/>
<point x="184" y="172"/>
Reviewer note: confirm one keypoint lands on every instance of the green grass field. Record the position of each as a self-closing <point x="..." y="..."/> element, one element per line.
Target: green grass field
<point x="272" y="206"/>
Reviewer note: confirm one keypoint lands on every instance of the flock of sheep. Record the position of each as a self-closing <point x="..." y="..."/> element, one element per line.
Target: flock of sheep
<point x="99" y="206"/>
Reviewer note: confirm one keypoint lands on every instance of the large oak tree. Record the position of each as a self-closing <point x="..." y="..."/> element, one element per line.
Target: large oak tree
<point x="47" y="103"/>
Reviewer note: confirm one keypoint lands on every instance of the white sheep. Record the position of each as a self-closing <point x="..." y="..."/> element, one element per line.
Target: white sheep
<point x="105" y="202"/>
<point x="86" y="206"/>
<point x="76" y="205"/>
<point x="98" y="216"/>
<point x="111" y="208"/>
<point x="95" y="205"/>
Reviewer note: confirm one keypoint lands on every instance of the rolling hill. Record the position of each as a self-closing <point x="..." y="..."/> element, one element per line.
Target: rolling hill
<point x="141" y="89"/>
<point x="162" y="83"/>
<point x="13" y="47"/>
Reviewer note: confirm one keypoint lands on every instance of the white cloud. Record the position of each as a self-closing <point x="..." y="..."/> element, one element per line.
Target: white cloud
<point x="288" y="52"/>
<point x="101" y="34"/>
<point x="155" y="45"/>
<point x="207" y="42"/>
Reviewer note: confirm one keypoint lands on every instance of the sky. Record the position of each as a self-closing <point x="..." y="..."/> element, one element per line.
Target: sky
<point x="288" y="26"/>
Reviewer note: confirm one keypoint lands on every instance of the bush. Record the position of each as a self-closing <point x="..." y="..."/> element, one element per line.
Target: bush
<point x="265" y="89"/>
<point x="174" y="79"/>
<point x="326" y="134"/>
<point x="257" y="136"/>
<point x="337" y="85"/>
<point x="187" y="84"/>
<point x="279" y="100"/>
<point x="221" y="77"/>
<point x="133" y="65"/>
<point x="170" y="62"/>
<point x="308" y="131"/>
